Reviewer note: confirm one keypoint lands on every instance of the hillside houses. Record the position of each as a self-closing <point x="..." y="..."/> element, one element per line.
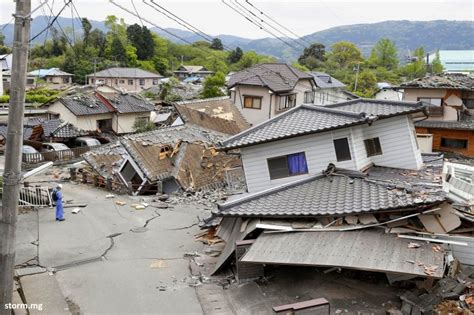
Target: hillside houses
<point x="132" y="80"/>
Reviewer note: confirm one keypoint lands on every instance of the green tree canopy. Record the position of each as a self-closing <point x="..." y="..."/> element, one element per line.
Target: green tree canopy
<point x="235" y="55"/>
<point x="217" y="44"/>
<point x="384" y="54"/>
<point x="140" y="37"/>
<point x="436" y="65"/>
<point x="213" y="85"/>
<point x="345" y="54"/>
<point x="313" y="56"/>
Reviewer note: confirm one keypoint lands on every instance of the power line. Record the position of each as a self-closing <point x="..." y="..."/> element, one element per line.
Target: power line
<point x="133" y="4"/>
<point x="257" y="24"/>
<point x="52" y="22"/>
<point x="274" y="28"/>
<point x="276" y="22"/>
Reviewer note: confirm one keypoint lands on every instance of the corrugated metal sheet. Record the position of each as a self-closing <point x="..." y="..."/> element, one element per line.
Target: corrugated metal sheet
<point x="465" y="254"/>
<point x="370" y="250"/>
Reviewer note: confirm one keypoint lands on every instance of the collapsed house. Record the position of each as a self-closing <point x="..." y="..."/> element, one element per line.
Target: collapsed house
<point x="167" y="159"/>
<point x="379" y="206"/>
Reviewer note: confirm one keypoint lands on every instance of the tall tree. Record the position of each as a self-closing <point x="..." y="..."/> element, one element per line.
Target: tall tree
<point x="235" y="55"/>
<point x="142" y="40"/>
<point x="217" y="44"/>
<point x="345" y="54"/>
<point x="117" y="51"/>
<point x="86" y="27"/>
<point x="436" y="65"/>
<point x="384" y="54"/>
<point x="313" y="56"/>
<point x="213" y="85"/>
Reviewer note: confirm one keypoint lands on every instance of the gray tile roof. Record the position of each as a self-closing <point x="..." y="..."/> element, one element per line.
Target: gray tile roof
<point x="380" y="108"/>
<point x="320" y="195"/>
<point x="126" y="73"/>
<point x="128" y="103"/>
<point x="306" y="119"/>
<point x="27" y="131"/>
<point x="278" y="77"/>
<point x="442" y="81"/>
<point x="325" y="81"/>
<point x="466" y="124"/>
<point x="61" y="129"/>
<point x="81" y="104"/>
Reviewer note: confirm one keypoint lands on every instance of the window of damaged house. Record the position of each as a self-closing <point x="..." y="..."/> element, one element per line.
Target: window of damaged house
<point x="155" y="82"/>
<point x="468" y="103"/>
<point x="254" y="102"/>
<point x="454" y="143"/>
<point x="66" y="80"/>
<point x="287" y="101"/>
<point x="142" y="82"/>
<point x="343" y="152"/>
<point x="373" y="147"/>
<point x="121" y="81"/>
<point x="130" y="82"/>
<point x="287" y="165"/>
<point x="309" y="97"/>
<point x="142" y="120"/>
<point x="436" y="108"/>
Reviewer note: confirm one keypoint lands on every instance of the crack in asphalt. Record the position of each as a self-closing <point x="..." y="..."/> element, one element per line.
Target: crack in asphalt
<point x="112" y="243"/>
<point x="152" y="218"/>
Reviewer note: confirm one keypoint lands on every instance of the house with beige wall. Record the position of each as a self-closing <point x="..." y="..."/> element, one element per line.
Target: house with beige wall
<point x="451" y="104"/>
<point x="267" y="90"/>
<point x="99" y="111"/>
<point x="53" y="76"/>
<point x="132" y="80"/>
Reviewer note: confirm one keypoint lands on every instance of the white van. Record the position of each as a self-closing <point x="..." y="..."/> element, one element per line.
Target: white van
<point x="87" y="142"/>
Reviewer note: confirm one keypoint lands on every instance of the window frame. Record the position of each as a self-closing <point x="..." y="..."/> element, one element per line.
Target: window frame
<point x="312" y="97"/>
<point x="121" y="81"/>
<point x="431" y="98"/>
<point x="141" y="82"/>
<point x="130" y="81"/>
<point x="371" y="143"/>
<point x="345" y="157"/>
<point x="442" y="143"/>
<point x="253" y="97"/>
<point x="286" y="104"/>
<point x="273" y="177"/>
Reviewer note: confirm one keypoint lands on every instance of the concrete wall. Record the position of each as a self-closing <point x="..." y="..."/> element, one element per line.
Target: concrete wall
<point x="58" y="79"/>
<point x="123" y="83"/>
<point x="123" y="123"/>
<point x="452" y="100"/>
<point x="270" y="101"/>
<point x="397" y="139"/>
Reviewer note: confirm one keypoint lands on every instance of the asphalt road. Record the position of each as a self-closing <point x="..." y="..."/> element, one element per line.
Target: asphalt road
<point x="114" y="259"/>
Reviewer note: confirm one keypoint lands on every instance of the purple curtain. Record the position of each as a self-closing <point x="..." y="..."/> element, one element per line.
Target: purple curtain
<point x="297" y="164"/>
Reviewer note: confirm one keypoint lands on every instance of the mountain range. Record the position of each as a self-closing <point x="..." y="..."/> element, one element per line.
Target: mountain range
<point x="407" y="35"/>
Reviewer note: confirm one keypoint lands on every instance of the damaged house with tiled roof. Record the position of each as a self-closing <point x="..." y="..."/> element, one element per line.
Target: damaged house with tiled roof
<point x="335" y="186"/>
<point x="176" y="157"/>
<point x="100" y="111"/>
<point x="267" y="90"/>
<point x="450" y="126"/>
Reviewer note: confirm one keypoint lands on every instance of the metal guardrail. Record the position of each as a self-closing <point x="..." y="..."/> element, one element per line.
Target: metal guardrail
<point x="34" y="196"/>
<point x="62" y="155"/>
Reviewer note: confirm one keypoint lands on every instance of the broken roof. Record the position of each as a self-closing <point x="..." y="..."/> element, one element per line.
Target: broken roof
<point x="58" y="128"/>
<point x="362" y="250"/>
<point x="118" y="72"/>
<point x="455" y="81"/>
<point x="325" y="81"/>
<point x="217" y="114"/>
<point x="278" y="77"/>
<point x="379" y="108"/>
<point x="101" y="103"/>
<point x="336" y="194"/>
<point x="106" y="159"/>
<point x="465" y="124"/>
<point x="145" y="148"/>
<point x="308" y="119"/>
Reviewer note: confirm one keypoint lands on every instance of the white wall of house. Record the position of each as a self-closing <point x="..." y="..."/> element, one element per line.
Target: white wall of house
<point x="123" y="123"/>
<point x="270" y="101"/>
<point x="131" y="85"/>
<point x="388" y="94"/>
<point x="87" y="122"/>
<point x="329" y="96"/>
<point x="449" y="112"/>
<point x="396" y="136"/>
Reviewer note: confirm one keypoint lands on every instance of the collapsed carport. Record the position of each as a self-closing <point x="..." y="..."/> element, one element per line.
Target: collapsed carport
<point x="369" y="250"/>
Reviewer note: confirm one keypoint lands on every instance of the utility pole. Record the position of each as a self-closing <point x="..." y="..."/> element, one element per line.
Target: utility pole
<point x="95" y="82"/>
<point x="357" y="76"/>
<point x="12" y="172"/>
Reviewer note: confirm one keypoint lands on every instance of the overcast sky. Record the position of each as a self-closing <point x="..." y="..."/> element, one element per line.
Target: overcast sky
<point x="302" y="17"/>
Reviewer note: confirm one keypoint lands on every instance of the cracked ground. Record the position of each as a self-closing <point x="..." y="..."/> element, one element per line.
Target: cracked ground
<point x="115" y="259"/>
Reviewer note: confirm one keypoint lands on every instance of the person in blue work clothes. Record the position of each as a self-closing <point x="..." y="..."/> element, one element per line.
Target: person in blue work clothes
<point x="58" y="199"/>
